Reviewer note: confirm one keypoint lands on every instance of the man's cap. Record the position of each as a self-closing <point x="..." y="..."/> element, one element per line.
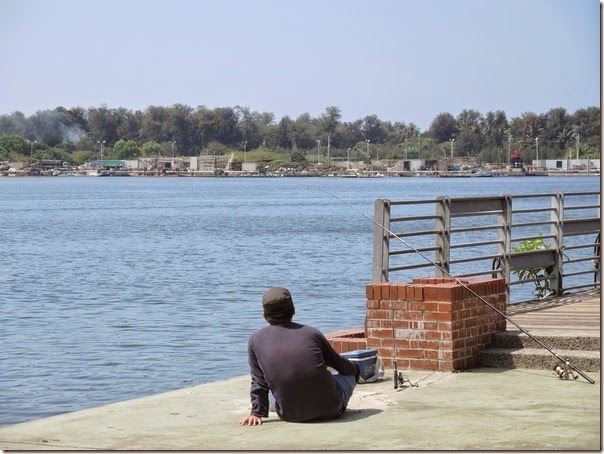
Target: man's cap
<point x="277" y="302"/>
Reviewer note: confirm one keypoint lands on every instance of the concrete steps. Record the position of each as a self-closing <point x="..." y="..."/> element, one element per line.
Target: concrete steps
<point x="513" y="349"/>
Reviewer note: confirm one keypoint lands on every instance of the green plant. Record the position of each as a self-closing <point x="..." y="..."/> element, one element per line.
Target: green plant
<point x="540" y="274"/>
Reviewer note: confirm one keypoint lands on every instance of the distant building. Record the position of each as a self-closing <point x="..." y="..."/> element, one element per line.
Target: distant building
<point x="249" y="167"/>
<point x="568" y="165"/>
<point x="413" y="165"/>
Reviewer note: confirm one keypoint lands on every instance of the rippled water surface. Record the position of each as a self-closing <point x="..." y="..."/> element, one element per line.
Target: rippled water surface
<point x="115" y="288"/>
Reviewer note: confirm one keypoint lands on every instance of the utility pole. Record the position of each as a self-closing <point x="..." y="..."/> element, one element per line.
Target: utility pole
<point x="101" y="143"/>
<point x="172" y="163"/>
<point x="32" y="150"/>
<point x="509" y="148"/>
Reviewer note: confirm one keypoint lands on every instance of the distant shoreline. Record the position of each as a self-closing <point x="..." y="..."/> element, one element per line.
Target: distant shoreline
<point x="239" y="174"/>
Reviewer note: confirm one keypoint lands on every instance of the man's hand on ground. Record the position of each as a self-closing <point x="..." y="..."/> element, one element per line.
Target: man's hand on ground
<point x="251" y="420"/>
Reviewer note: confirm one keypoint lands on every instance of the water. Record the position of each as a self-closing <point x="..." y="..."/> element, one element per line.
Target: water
<point x="116" y="288"/>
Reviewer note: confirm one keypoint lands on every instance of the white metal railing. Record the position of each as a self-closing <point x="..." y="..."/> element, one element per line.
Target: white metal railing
<point x="478" y="237"/>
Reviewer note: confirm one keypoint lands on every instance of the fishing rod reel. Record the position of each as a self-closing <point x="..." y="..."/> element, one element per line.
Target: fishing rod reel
<point x="563" y="371"/>
<point x="399" y="380"/>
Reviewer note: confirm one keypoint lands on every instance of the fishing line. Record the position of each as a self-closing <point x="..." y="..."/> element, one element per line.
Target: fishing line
<point x="564" y="361"/>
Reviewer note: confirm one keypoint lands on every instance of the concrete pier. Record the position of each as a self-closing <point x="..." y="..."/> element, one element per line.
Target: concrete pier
<point x="480" y="409"/>
<point x="483" y="409"/>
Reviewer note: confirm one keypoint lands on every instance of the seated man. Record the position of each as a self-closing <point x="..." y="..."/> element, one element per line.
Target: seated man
<point x="290" y="361"/>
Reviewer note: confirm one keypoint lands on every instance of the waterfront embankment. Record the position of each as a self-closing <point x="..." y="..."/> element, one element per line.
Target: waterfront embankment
<point x="482" y="409"/>
<point x="479" y="409"/>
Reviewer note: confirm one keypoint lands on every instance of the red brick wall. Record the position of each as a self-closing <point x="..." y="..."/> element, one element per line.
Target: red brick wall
<point x="347" y="340"/>
<point x="438" y="324"/>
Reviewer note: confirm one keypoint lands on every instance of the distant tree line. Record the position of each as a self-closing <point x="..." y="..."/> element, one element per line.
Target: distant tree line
<point x="78" y="135"/>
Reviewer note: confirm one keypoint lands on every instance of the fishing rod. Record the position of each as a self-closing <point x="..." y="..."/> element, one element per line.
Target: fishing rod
<point x="565" y="362"/>
<point x="399" y="378"/>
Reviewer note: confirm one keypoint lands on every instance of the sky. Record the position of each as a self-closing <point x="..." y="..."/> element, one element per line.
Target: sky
<point x="401" y="60"/>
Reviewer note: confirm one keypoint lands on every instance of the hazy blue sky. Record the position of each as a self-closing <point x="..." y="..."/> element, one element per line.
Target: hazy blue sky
<point x="402" y="60"/>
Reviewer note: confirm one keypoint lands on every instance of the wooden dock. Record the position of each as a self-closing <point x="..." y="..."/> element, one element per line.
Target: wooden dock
<point x="573" y="314"/>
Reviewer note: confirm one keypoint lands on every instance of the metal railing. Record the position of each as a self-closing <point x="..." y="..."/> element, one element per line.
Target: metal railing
<point x="492" y="236"/>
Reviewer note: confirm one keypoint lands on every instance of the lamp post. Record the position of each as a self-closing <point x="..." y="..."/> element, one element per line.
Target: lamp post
<point x="577" y="147"/>
<point x="509" y="149"/>
<point x="245" y="151"/>
<point x="172" y="164"/>
<point x="451" y="140"/>
<point x="368" y="155"/>
<point x="537" y="151"/>
<point x="348" y="151"/>
<point x="101" y="143"/>
<point x="31" y="153"/>
<point x="318" y="151"/>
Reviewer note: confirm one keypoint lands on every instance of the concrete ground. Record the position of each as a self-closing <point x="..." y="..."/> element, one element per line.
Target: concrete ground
<point x="482" y="409"/>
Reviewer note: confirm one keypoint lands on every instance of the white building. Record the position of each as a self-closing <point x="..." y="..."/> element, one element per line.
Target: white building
<point x="566" y="165"/>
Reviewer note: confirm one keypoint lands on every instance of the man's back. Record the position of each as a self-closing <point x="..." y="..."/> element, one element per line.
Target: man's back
<point x="291" y="360"/>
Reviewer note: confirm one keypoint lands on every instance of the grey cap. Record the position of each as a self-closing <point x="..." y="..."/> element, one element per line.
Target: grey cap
<point x="277" y="302"/>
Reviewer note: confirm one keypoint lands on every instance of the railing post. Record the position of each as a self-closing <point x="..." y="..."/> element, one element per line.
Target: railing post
<point x="381" y="241"/>
<point x="504" y="248"/>
<point x="557" y="218"/>
<point x="443" y="237"/>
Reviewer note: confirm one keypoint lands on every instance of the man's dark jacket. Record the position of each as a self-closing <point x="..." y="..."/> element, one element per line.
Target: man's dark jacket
<point x="291" y="361"/>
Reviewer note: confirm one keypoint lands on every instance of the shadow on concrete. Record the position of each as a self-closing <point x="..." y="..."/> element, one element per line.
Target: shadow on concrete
<point x="355" y="415"/>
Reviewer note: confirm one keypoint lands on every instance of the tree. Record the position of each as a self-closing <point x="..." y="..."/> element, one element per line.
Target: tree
<point x="72" y="123"/>
<point x="14" y="145"/>
<point x="469" y="140"/>
<point x="350" y="133"/>
<point x="14" y="124"/>
<point x="305" y="132"/>
<point x="329" y="122"/>
<point x="128" y="123"/>
<point x="154" y="124"/>
<point x="443" y="128"/>
<point x="179" y="125"/>
<point x="151" y="149"/>
<point x="494" y="125"/>
<point x="285" y="133"/>
<point x="81" y="157"/>
<point x="218" y="125"/>
<point x="66" y="130"/>
<point x="559" y="128"/>
<point x="586" y="124"/>
<point x="297" y="156"/>
<point x="255" y="128"/>
<point x="528" y="126"/>
<point x="373" y="129"/>
<point x="124" y="149"/>
<point x="216" y="148"/>
<point x="103" y="124"/>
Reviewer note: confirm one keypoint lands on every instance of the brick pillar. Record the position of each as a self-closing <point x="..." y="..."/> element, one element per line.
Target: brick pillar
<point x="438" y="324"/>
<point x="347" y="340"/>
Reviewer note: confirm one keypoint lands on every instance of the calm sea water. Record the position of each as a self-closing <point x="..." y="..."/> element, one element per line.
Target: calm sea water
<point x="116" y="288"/>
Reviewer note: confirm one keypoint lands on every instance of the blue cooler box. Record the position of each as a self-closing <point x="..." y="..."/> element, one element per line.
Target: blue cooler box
<point x="366" y="360"/>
